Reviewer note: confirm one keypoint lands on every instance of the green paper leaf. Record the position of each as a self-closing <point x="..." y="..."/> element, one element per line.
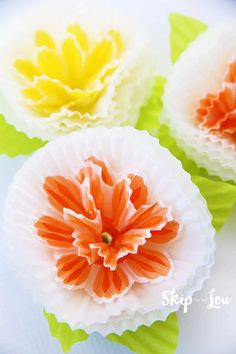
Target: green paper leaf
<point x="14" y="143"/>
<point x="64" y="333"/>
<point x="220" y="198"/>
<point x="183" y="31"/>
<point x="149" y="114"/>
<point x="150" y="120"/>
<point x="169" y="142"/>
<point x="160" y="338"/>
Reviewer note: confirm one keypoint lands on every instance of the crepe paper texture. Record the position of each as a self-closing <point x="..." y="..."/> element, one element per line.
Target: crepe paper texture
<point x="184" y="30"/>
<point x="159" y="338"/>
<point x="14" y="143"/>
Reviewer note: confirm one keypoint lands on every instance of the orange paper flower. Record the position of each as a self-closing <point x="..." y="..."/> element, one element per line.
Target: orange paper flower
<point x="100" y="223"/>
<point x="217" y="112"/>
<point x="106" y="231"/>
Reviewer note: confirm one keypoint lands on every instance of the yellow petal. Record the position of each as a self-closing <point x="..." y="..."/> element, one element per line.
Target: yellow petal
<point x="51" y="64"/>
<point x="42" y="38"/>
<point x="73" y="57"/>
<point x="100" y="56"/>
<point x="118" y="41"/>
<point x="107" y="73"/>
<point x="80" y="35"/>
<point x="26" y="68"/>
<point x="84" y="100"/>
<point x="48" y="95"/>
<point x="32" y="93"/>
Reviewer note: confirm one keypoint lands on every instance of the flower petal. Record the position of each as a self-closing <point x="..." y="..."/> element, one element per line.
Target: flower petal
<point x="166" y="234"/>
<point x="26" y="68"/>
<point x="109" y="283"/>
<point x="63" y="193"/>
<point x="140" y="192"/>
<point x="43" y="39"/>
<point x="148" y="264"/>
<point x="74" y="270"/>
<point x="148" y="217"/>
<point x="80" y="36"/>
<point x="56" y="232"/>
<point x="122" y="207"/>
<point x="73" y="56"/>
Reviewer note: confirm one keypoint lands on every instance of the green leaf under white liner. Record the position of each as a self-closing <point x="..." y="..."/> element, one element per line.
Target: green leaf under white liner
<point x="184" y="30"/>
<point x="14" y="143"/>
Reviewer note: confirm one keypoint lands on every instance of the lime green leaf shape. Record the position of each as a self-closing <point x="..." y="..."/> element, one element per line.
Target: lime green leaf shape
<point x="64" y="333"/>
<point x="149" y="114"/>
<point x="14" y="143"/>
<point x="183" y="31"/>
<point x="150" y="120"/>
<point x="160" y="338"/>
<point x="169" y="142"/>
<point x="220" y="198"/>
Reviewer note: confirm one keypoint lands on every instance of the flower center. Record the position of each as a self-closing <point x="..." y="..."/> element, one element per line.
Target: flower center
<point x="72" y="75"/>
<point x="107" y="238"/>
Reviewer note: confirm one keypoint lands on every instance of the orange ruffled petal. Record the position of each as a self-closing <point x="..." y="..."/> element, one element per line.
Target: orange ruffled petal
<point x="57" y="233"/>
<point x="217" y="112"/>
<point x="108" y="226"/>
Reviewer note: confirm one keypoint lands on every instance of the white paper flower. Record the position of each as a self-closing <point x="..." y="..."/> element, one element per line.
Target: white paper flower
<point x="200" y="101"/>
<point x="66" y="66"/>
<point x="101" y="222"/>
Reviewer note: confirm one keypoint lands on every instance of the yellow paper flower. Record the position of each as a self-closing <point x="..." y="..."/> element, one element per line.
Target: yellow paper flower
<point x="67" y="73"/>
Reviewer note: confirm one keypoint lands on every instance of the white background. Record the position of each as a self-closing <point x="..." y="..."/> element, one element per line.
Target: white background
<point x="23" y="329"/>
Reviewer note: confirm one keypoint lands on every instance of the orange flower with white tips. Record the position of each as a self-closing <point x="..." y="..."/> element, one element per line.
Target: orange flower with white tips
<point x="101" y="223"/>
<point x="200" y="101"/>
<point x="107" y="230"/>
<point x="217" y="111"/>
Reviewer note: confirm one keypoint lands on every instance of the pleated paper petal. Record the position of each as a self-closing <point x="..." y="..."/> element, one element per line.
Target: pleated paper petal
<point x="129" y="152"/>
<point x="76" y="65"/>
<point x="201" y="71"/>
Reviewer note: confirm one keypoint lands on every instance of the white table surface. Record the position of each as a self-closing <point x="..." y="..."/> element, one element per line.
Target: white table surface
<point x="23" y="329"/>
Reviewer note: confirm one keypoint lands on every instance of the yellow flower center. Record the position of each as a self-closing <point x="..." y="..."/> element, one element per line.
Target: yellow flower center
<point x="107" y="238"/>
<point x="72" y="75"/>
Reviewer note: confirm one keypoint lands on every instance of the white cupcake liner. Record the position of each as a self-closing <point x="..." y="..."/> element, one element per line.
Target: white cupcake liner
<point x="128" y="89"/>
<point x="200" y="70"/>
<point x="126" y="151"/>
